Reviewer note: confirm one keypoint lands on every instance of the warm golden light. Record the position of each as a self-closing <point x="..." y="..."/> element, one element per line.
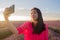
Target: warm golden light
<point x="16" y="18"/>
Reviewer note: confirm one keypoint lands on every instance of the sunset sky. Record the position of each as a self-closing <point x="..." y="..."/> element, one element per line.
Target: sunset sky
<point x="50" y="9"/>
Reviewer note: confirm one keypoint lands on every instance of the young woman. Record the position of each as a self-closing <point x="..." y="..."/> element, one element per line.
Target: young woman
<point x="35" y="29"/>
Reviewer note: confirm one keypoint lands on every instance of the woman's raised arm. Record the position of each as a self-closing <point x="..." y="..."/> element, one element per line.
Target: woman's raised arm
<point x="10" y="26"/>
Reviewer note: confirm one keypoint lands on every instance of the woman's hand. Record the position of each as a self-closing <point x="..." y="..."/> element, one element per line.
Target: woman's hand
<point x="6" y="14"/>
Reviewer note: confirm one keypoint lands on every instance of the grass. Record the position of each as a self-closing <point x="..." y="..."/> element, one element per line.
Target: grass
<point x="55" y="29"/>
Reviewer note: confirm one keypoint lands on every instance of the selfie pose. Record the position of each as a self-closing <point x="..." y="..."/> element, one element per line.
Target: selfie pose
<point x="35" y="29"/>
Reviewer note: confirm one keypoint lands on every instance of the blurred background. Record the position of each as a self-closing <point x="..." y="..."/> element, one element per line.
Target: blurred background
<point x="50" y="11"/>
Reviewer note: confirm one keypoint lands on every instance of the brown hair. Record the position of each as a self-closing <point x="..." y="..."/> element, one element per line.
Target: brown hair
<point x="40" y="26"/>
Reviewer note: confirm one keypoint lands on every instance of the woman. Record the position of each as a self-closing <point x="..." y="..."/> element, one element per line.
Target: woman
<point x="35" y="29"/>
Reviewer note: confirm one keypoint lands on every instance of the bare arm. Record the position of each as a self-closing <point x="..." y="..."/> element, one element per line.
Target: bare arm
<point x="10" y="26"/>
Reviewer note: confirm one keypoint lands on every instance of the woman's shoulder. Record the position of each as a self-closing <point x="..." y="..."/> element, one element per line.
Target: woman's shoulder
<point x="46" y="25"/>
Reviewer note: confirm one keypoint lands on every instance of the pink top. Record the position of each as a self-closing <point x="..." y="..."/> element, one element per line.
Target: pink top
<point x="26" y="29"/>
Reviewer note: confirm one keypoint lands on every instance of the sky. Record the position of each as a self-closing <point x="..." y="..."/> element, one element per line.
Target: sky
<point x="50" y="9"/>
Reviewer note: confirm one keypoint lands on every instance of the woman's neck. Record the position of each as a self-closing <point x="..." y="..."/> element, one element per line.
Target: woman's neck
<point x="35" y="22"/>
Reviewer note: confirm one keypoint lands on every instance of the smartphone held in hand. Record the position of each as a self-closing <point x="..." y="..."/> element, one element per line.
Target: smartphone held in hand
<point x="10" y="10"/>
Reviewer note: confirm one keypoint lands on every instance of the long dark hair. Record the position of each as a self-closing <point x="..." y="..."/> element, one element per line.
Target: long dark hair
<point x="40" y="26"/>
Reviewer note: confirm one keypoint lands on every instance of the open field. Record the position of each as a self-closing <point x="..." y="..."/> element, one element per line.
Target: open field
<point x="5" y="34"/>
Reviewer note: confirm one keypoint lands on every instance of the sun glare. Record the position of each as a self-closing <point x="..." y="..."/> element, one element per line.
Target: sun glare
<point x="16" y="18"/>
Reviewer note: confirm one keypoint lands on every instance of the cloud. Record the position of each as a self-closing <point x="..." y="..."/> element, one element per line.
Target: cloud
<point x="1" y="9"/>
<point x="21" y="8"/>
<point x="1" y="18"/>
<point x="45" y="10"/>
<point x="21" y="12"/>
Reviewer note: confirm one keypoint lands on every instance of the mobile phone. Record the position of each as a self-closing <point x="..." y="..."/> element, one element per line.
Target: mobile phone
<point x="10" y="9"/>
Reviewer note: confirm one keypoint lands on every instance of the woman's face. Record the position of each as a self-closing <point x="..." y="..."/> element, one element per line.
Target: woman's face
<point x="34" y="14"/>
